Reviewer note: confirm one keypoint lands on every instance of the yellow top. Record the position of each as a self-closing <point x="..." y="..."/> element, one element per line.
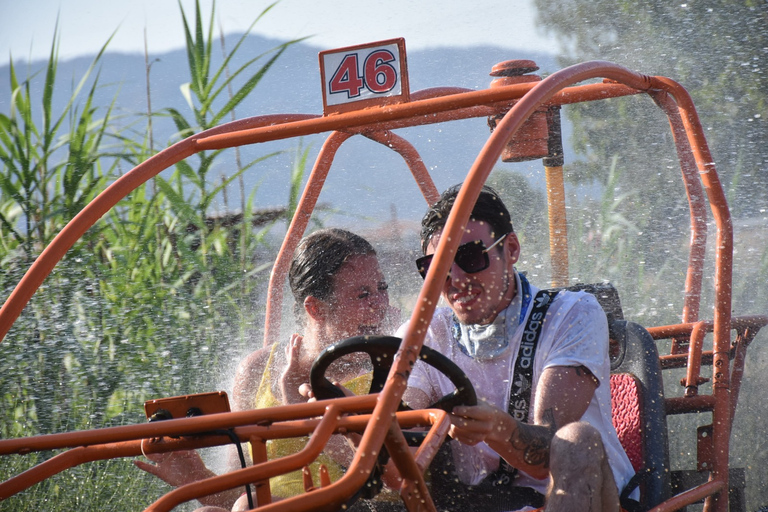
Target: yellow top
<point x="291" y="484"/>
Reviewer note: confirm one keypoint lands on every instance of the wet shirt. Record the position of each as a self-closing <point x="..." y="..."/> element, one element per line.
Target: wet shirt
<point x="291" y="484"/>
<point x="575" y="333"/>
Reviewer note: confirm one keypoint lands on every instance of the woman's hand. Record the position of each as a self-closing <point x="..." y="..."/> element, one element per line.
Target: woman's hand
<point x="305" y="390"/>
<point x="176" y="468"/>
<point x="292" y="377"/>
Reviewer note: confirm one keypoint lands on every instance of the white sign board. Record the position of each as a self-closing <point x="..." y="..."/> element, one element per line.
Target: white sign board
<point x="362" y="76"/>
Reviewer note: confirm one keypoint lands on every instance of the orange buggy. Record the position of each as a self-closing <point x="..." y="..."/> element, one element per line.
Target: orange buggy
<point x="523" y="109"/>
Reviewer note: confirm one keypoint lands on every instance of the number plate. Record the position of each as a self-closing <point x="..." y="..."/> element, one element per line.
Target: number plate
<point x="362" y="76"/>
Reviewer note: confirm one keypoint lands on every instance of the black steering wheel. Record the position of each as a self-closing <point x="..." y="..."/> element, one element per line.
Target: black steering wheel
<point x="382" y="350"/>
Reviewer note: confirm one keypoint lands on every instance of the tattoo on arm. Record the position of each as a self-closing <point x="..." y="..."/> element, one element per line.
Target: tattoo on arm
<point x="533" y="440"/>
<point x="548" y="421"/>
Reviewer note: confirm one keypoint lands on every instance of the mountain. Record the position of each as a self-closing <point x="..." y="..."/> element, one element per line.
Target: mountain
<point x="367" y="181"/>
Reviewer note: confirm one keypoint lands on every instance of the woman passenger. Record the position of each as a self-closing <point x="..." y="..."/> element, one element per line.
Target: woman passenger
<point x="339" y="292"/>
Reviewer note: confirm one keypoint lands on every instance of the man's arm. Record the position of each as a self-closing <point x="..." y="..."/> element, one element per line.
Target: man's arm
<point x="563" y="395"/>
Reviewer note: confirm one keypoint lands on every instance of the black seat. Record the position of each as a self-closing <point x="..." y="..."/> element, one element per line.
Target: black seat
<point x="637" y="397"/>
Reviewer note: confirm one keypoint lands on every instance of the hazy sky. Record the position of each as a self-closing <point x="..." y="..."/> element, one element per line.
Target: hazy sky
<point x="27" y="27"/>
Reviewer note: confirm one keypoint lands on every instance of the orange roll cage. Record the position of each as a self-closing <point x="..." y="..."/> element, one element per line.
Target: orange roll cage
<point x="374" y="412"/>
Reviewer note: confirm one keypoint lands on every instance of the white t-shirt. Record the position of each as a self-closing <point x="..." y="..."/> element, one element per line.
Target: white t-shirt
<point x="575" y="333"/>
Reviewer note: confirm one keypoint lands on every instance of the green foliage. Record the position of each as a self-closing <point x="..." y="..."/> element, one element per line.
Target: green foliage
<point x="51" y="170"/>
<point x="205" y="88"/>
<point x="148" y="301"/>
<point x="608" y="242"/>
<point x="48" y="189"/>
<point x="112" y="485"/>
<point x="715" y="48"/>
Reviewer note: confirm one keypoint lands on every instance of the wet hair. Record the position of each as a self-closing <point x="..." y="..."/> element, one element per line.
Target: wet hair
<point x="318" y="258"/>
<point x="489" y="208"/>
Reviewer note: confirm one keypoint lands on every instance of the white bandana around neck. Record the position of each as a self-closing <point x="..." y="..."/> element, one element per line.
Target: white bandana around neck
<point x="485" y="342"/>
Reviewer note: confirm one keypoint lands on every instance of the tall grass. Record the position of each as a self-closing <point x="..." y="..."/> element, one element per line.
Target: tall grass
<point x="157" y="288"/>
<point x="52" y="168"/>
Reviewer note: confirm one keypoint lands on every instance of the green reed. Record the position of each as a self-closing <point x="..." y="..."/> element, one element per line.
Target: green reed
<point x="149" y="301"/>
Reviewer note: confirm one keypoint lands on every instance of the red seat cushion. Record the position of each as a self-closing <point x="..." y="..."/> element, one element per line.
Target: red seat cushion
<point x="626" y="410"/>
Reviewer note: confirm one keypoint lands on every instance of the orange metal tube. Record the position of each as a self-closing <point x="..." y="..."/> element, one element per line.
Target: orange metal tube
<point x="259" y="454"/>
<point x="412" y="158"/>
<point x="413" y="490"/>
<point x="685" y="405"/>
<point x="694" y="358"/>
<point x="286" y="464"/>
<point x="296" y="229"/>
<point x="64" y="461"/>
<point x="723" y="281"/>
<point x="689" y="497"/>
<point x="410" y="490"/>
<point x="696" y="205"/>
<point x="266" y="128"/>
<point x="428" y="449"/>
<point x="84" y="454"/>
<point x="677" y="330"/>
<point x="662" y="332"/>
<point x="719" y="205"/>
<point x="182" y="426"/>
<point x="437" y="92"/>
<point x="558" y="225"/>
<point x="419" y="112"/>
<point x="307" y="205"/>
<point x="574" y="94"/>
<point x="681" y="360"/>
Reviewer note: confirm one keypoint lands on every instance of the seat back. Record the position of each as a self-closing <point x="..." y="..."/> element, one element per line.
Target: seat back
<point x="637" y="401"/>
<point x="627" y="412"/>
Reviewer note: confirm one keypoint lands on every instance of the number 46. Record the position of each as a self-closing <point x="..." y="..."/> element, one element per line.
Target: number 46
<point x="379" y="76"/>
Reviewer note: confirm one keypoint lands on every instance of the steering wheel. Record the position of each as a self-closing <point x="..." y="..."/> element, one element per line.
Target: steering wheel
<point x="382" y="350"/>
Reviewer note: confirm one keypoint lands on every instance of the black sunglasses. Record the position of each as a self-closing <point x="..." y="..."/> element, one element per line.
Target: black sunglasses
<point x="470" y="257"/>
